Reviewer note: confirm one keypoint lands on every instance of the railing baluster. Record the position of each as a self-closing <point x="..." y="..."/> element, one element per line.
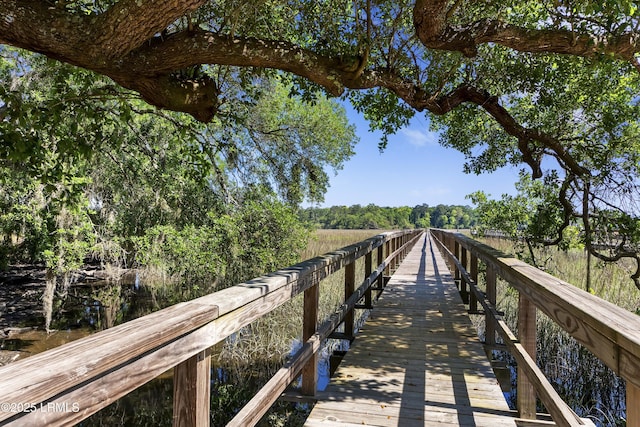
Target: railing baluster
<point x="490" y="323"/>
<point x="463" y="283"/>
<point x="192" y="390"/>
<point x="456" y="270"/>
<point x="309" y="326"/>
<point x="368" y="268"/>
<point x="394" y="246"/>
<point x="527" y="336"/>
<point x="349" y="287"/>
<point x="633" y="405"/>
<point x="387" y="252"/>
<point x="473" y="301"/>
<point x="380" y="283"/>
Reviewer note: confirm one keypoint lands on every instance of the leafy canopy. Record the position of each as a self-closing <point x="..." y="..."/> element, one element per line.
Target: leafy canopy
<point x="550" y="86"/>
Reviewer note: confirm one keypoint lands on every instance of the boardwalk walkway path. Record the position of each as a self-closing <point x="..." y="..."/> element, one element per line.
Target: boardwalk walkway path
<point x="417" y="361"/>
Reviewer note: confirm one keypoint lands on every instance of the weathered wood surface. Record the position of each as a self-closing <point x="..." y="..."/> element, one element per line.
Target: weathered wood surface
<point x="417" y="360"/>
<point x="93" y="372"/>
<point x="610" y="332"/>
<point x="530" y="377"/>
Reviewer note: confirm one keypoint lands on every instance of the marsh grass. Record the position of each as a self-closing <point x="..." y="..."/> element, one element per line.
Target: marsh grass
<point x="256" y="352"/>
<point x="582" y="380"/>
<point x="271" y="336"/>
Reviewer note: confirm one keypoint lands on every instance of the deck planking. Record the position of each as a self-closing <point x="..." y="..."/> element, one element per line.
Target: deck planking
<point x="417" y="361"/>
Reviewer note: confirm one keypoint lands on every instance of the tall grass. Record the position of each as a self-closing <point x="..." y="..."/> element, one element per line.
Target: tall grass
<point x="582" y="380"/>
<point x="271" y="337"/>
<point x="258" y="350"/>
<point x="243" y="363"/>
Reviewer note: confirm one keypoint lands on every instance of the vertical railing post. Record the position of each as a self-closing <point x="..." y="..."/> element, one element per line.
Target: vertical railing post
<point x="463" y="283"/>
<point x="192" y="390"/>
<point x="349" y="288"/>
<point x="633" y="405"/>
<point x="368" y="268"/>
<point x="380" y="285"/>
<point x="456" y="270"/>
<point x="387" y="252"/>
<point x="490" y="338"/>
<point x="473" y="301"/>
<point x="527" y="337"/>
<point x="449" y="244"/>
<point x="309" y="325"/>
<point x="394" y="246"/>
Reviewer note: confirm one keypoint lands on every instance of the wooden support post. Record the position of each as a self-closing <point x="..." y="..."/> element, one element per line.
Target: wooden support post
<point x="463" y="284"/>
<point x="527" y="336"/>
<point x="405" y="251"/>
<point x="387" y="252"/>
<point x="633" y="405"/>
<point x="490" y="338"/>
<point x="368" y="268"/>
<point x="449" y="244"/>
<point x="380" y="276"/>
<point x="473" y="301"/>
<point x="456" y="270"/>
<point x="309" y="325"/>
<point x="192" y="390"/>
<point x="394" y="246"/>
<point x="349" y="288"/>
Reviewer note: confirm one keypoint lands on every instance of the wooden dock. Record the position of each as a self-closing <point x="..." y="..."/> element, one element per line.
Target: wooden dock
<point x="417" y="361"/>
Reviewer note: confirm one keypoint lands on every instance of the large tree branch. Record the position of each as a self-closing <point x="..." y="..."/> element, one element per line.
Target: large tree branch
<point x="87" y="40"/>
<point x="189" y="48"/>
<point x="129" y="23"/>
<point x="104" y="44"/>
<point x="430" y="20"/>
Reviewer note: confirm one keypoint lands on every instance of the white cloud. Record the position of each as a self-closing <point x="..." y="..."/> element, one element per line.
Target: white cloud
<point x="419" y="138"/>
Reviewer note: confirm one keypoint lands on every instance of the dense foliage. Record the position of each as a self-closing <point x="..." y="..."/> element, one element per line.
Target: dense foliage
<point x="376" y="217"/>
<point x="551" y="86"/>
<point x="89" y="172"/>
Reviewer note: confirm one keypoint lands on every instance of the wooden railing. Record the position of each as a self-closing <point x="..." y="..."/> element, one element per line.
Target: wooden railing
<point x="609" y="332"/>
<point x="67" y="384"/>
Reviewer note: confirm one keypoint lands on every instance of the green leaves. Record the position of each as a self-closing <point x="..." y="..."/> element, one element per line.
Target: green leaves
<point x="86" y="168"/>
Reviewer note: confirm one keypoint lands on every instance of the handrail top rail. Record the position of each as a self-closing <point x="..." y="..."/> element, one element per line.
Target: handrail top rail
<point x="91" y="356"/>
<point x="586" y="317"/>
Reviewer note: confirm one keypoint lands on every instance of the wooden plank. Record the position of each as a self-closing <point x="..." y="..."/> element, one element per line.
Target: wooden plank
<point x="394" y="417"/>
<point x="611" y="333"/>
<point x="417" y="360"/>
<point x="42" y="376"/>
<point x="191" y="391"/>
<point x="251" y="413"/>
<point x="309" y="325"/>
<point x="527" y="365"/>
<point x="527" y="335"/>
<point x="633" y="406"/>
<point x="490" y="323"/>
<point x="349" y="287"/>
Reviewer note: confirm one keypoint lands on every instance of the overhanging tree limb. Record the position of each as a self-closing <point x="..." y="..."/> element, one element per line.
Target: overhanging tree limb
<point x="431" y="22"/>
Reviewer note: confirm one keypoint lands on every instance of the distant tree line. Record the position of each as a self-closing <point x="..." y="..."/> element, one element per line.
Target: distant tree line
<point x="377" y="217"/>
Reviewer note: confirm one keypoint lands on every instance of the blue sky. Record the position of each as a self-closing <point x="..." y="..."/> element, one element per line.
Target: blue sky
<point x="414" y="169"/>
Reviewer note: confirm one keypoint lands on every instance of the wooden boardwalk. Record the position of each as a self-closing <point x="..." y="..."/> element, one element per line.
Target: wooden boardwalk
<point x="417" y="361"/>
